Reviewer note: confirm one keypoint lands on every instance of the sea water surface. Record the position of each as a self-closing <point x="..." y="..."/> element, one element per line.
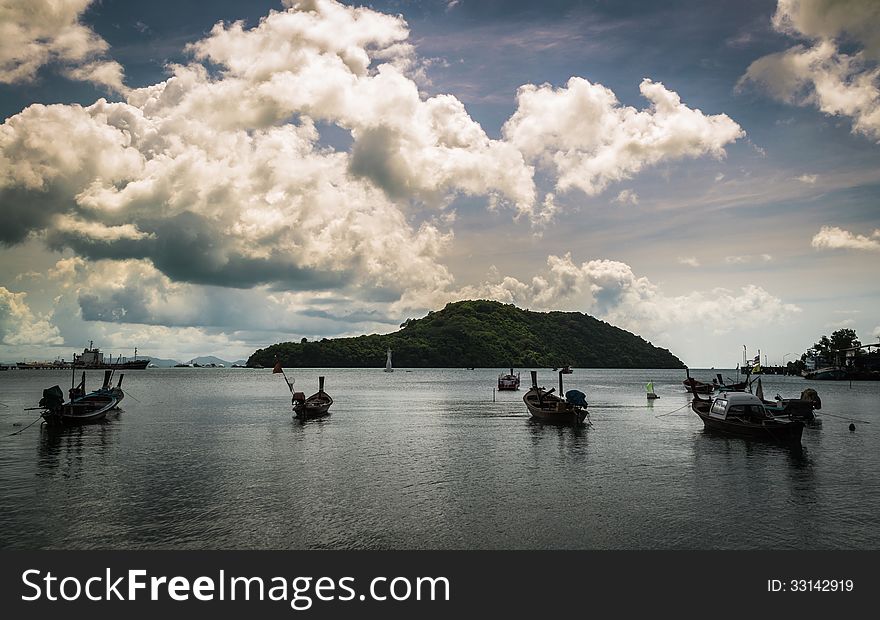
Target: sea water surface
<point x="426" y="459"/>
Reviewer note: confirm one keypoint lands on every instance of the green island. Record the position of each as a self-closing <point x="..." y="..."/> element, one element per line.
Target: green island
<point x="480" y="334"/>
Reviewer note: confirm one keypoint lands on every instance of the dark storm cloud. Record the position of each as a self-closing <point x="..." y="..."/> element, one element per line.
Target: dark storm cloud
<point x="355" y="316"/>
<point x="192" y="248"/>
<point x="24" y="211"/>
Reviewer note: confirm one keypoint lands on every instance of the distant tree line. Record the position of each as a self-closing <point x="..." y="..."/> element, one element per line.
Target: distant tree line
<point x="833" y="352"/>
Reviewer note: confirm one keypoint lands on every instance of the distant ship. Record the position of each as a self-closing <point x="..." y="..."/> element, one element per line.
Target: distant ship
<point x="92" y="358"/>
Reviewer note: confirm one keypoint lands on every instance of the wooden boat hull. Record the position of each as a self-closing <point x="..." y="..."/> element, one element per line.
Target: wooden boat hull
<point x="826" y="374"/>
<point x="315" y="406"/>
<point x="780" y="431"/>
<point x="697" y="387"/>
<point x="553" y="409"/>
<point x="795" y="408"/>
<point x="90" y="409"/>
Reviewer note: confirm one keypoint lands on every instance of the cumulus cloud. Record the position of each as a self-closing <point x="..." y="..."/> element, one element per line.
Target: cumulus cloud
<point x="123" y="304"/>
<point x="34" y="33"/>
<point x="627" y="196"/>
<point x="217" y="175"/>
<point x="612" y="291"/>
<point x="834" y="238"/>
<point x="20" y="326"/>
<point x="583" y="134"/>
<point x="818" y="73"/>
<point x="809" y="179"/>
<point x="215" y="184"/>
<point x="690" y="261"/>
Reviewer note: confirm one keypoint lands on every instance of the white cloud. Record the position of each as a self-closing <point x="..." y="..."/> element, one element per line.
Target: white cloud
<point x="213" y="189"/>
<point x="834" y="238"/>
<point x="589" y="140"/>
<point x="747" y="258"/>
<point x="34" y="33"/>
<point x="830" y="19"/>
<point x="690" y="261"/>
<point x="876" y="332"/>
<point x="809" y="179"/>
<point x="627" y="196"/>
<point x="612" y="291"/>
<point x="819" y="73"/>
<point x="840" y="324"/>
<point x="19" y="325"/>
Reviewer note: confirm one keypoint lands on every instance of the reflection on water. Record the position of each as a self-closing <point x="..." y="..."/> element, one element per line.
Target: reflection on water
<point x="429" y="459"/>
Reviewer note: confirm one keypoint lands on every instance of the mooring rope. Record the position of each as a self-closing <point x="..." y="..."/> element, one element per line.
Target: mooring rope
<point x="26" y="427"/>
<point x="663" y="415"/>
<point x="843" y="417"/>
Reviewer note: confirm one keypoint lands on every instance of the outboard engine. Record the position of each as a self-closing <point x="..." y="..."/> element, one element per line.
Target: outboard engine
<point x="53" y="398"/>
<point x="811" y="395"/>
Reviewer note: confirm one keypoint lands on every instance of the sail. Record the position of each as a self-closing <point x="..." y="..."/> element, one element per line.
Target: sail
<point x="388" y="367"/>
<point x="650" y="387"/>
<point x="759" y="392"/>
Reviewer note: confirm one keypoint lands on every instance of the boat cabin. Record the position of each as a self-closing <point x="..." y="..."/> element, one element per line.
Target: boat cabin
<point x="739" y="405"/>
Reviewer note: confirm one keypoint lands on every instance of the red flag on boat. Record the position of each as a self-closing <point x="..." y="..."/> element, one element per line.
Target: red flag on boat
<point x="277" y="369"/>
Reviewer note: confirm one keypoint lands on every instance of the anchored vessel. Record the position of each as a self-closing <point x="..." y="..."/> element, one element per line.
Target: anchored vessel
<point x="546" y="406"/>
<point x="93" y="358"/>
<point x="82" y="408"/>
<point x="316" y="405"/>
<point x="743" y="415"/>
<point x="508" y="381"/>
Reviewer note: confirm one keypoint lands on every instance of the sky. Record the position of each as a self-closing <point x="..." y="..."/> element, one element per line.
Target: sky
<point x="194" y="178"/>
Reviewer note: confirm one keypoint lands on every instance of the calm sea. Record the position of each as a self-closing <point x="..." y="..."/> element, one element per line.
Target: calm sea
<point x="212" y="459"/>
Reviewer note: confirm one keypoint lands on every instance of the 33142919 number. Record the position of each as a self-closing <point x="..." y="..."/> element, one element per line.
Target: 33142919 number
<point x="810" y="585"/>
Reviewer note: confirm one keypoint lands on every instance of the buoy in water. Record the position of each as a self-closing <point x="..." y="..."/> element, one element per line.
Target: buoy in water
<point x="852" y="427"/>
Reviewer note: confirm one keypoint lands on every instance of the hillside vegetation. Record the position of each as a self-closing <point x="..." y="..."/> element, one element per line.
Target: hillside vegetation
<point x="485" y="334"/>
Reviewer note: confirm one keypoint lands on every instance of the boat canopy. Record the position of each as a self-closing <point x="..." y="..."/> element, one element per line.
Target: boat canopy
<point x="576" y="397"/>
<point x="738" y="403"/>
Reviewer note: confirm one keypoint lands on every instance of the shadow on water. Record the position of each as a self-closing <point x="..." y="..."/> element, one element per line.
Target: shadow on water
<point x="572" y="438"/>
<point x="796" y="452"/>
<point x="66" y="449"/>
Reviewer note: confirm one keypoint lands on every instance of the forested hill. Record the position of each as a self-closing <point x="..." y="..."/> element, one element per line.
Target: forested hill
<point x="482" y="334"/>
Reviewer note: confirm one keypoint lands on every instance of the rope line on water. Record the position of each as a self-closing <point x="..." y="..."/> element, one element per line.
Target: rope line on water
<point x="843" y="417"/>
<point x="26" y="427"/>
<point x="663" y="415"/>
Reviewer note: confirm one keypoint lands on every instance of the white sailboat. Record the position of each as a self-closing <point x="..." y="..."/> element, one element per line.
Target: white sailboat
<point x="388" y="367"/>
<point x="650" y="389"/>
